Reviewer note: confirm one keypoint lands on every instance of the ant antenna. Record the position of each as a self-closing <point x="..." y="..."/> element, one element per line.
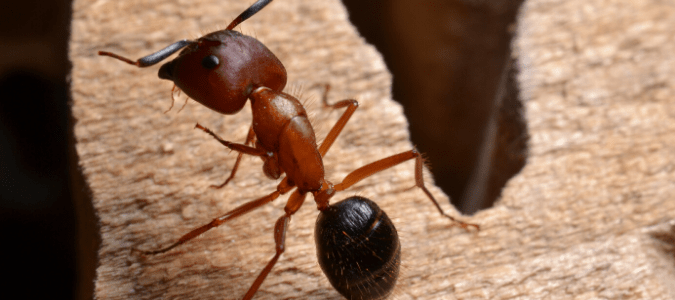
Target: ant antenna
<point x="152" y="58"/>
<point x="175" y="47"/>
<point x="252" y="10"/>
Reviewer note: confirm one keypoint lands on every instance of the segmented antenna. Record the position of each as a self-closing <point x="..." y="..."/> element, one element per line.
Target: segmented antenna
<point x="252" y="10"/>
<point x="151" y="59"/>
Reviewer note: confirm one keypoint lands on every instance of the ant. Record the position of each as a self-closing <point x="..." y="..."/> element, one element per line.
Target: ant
<point x="224" y="69"/>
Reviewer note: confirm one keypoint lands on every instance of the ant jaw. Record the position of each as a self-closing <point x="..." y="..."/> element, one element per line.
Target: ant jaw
<point x="166" y="71"/>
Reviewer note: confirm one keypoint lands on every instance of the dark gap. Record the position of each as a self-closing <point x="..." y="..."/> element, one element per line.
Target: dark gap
<point x="665" y="241"/>
<point x="47" y="219"/>
<point x="37" y="213"/>
<point x="454" y="78"/>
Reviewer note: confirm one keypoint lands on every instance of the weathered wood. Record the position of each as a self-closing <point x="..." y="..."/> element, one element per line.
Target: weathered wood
<point x="598" y="81"/>
<point x="579" y="221"/>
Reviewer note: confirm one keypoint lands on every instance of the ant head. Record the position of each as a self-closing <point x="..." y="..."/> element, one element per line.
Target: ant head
<point x="221" y="69"/>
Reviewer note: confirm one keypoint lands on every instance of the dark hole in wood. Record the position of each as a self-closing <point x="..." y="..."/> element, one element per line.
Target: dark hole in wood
<point x="46" y="212"/>
<point x="455" y="78"/>
<point x="666" y="241"/>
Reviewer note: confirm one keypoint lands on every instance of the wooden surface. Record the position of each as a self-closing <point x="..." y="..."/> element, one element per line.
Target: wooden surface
<point x="588" y="217"/>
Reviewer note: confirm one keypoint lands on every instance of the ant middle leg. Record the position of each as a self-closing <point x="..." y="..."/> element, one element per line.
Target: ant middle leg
<point x="245" y="208"/>
<point x="388" y="162"/>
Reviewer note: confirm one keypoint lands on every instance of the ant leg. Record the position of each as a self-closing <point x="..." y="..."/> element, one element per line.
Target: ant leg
<point x="241" y="148"/>
<point x="282" y="188"/>
<point x="294" y="203"/>
<point x="388" y="162"/>
<point x="351" y="105"/>
<point x="249" y="141"/>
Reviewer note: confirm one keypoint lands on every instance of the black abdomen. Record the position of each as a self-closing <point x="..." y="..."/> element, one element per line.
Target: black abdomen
<point x="358" y="249"/>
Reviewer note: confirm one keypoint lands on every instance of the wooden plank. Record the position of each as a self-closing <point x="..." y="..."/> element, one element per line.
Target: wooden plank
<point x="579" y="221"/>
<point x="598" y="85"/>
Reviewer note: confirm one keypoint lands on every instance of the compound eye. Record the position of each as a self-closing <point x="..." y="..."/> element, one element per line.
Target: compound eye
<point x="210" y="62"/>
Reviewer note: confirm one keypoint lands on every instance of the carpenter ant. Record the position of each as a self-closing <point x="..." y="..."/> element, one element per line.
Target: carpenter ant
<point x="222" y="70"/>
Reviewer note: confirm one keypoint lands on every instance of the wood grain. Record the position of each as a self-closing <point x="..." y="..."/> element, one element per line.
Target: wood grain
<point x="578" y="222"/>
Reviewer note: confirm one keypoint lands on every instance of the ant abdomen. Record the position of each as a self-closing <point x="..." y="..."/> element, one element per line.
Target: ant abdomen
<point x="358" y="248"/>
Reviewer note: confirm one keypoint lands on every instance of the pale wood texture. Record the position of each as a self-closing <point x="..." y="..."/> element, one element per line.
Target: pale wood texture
<point x="598" y="81"/>
<point x="577" y="222"/>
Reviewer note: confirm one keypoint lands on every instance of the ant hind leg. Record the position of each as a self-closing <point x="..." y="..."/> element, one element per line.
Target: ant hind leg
<point x="294" y="203"/>
<point x="388" y="162"/>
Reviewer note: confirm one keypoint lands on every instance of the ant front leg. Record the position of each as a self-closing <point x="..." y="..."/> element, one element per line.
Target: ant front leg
<point x="241" y="148"/>
<point x="351" y="105"/>
<point x="248" y="142"/>
<point x="388" y="162"/>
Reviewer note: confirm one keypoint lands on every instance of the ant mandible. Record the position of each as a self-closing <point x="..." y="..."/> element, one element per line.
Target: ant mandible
<point x="225" y="68"/>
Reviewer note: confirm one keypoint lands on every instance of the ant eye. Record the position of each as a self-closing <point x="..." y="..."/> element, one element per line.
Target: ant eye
<point x="210" y="62"/>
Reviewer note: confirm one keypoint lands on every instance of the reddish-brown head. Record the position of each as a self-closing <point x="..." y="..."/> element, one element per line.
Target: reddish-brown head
<point x="222" y="68"/>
